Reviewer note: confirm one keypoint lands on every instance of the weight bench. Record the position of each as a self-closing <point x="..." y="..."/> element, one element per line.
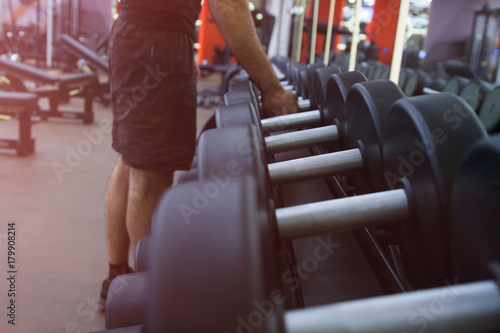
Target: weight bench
<point x="19" y="105"/>
<point x="62" y="88"/>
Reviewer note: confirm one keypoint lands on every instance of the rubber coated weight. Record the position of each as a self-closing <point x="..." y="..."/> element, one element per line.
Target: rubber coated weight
<point x="456" y="85"/>
<point x="303" y="85"/>
<point x="236" y="114"/>
<point x="367" y="106"/>
<point x="296" y="68"/>
<point x="241" y="82"/>
<point x="438" y="84"/>
<point x="490" y="111"/>
<point x="425" y="139"/>
<point x="475" y="226"/>
<point x="337" y="88"/>
<point x="415" y="83"/>
<point x="236" y="97"/>
<point x="475" y="92"/>
<point x="127" y="303"/>
<point x="310" y="69"/>
<point x="320" y="82"/>
<point x="236" y="152"/>
<point x="214" y="257"/>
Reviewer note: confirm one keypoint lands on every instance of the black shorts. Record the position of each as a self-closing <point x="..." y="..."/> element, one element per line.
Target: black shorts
<point x="153" y="93"/>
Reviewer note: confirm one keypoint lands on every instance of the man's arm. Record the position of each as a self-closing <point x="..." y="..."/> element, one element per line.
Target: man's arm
<point x="236" y="26"/>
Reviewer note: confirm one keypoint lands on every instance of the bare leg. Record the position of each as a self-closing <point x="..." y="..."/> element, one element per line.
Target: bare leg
<point x="116" y="208"/>
<point x="145" y="189"/>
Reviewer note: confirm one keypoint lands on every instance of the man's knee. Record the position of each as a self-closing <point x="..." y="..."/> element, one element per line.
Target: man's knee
<point x="121" y="168"/>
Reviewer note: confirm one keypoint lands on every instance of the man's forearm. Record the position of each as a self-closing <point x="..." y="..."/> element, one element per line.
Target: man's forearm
<point x="236" y="27"/>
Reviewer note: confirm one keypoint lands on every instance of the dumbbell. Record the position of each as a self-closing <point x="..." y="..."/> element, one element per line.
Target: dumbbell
<point x="216" y="272"/>
<point x="425" y="138"/>
<point x="367" y="105"/>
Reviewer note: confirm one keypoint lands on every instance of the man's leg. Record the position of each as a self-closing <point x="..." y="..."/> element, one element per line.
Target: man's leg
<point x="116" y="227"/>
<point x="145" y="190"/>
<point x="116" y="210"/>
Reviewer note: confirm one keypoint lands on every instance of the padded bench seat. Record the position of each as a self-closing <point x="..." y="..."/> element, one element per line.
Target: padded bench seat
<point x="63" y="87"/>
<point x="19" y="105"/>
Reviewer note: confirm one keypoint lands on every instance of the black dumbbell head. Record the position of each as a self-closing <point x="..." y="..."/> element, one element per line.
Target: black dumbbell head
<point x="426" y="137"/>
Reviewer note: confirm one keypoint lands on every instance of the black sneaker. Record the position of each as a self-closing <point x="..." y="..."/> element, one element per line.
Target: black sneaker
<point x="103" y="295"/>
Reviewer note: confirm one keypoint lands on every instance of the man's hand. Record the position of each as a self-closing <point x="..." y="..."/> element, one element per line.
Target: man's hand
<point x="278" y="102"/>
<point x="236" y="26"/>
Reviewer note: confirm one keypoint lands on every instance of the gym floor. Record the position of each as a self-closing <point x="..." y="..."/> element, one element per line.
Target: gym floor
<point x="56" y="199"/>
